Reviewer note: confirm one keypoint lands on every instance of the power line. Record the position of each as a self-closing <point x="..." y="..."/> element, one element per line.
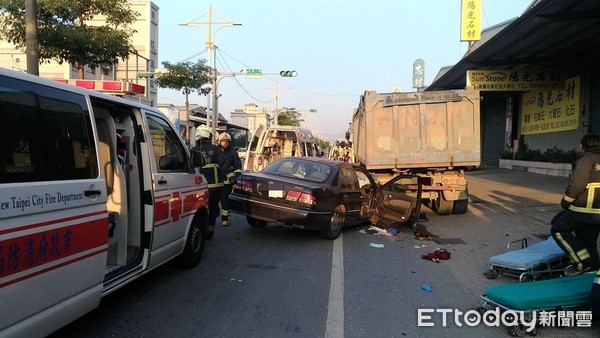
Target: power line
<point x="193" y="56"/>
<point x="238" y="82"/>
<point x="300" y="89"/>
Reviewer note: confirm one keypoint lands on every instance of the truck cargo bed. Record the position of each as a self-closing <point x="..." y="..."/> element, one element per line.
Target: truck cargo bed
<point x="437" y="129"/>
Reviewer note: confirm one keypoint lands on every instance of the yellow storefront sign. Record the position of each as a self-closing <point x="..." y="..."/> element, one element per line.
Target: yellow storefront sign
<point x="470" y="20"/>
<point x="548" y="111"/>
<point x="509" y="80"/>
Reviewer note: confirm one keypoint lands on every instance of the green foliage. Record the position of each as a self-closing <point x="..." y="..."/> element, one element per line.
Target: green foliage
<point x="553" y="155"/>
<point x="64" y="33"/>
<point x="322" y="143"/>
<point x="187" y="77"/>
<point x="288" y="117"/>
<point x="238" y="139"/>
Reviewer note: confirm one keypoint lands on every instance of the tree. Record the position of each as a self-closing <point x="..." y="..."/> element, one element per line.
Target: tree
<point x="188" y="78"/>
<point x="288" y="117"/>
<point x="64" y="32"/>
<point x="31" y="38"/>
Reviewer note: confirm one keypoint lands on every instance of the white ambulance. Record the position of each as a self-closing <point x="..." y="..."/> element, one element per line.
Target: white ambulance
<point x="95" y="191"/>
<point x="269" y="144"/>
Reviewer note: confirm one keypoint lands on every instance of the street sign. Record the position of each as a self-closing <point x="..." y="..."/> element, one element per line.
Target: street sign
<point x="418" y="74"/>
<point x="254" y="73"/>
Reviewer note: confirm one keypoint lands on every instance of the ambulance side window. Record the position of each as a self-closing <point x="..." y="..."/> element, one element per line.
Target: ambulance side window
<point x="46" y="134"/>
<point x="169" y="152"/>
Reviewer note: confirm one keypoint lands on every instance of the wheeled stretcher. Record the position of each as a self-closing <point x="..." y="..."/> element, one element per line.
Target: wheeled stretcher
<point x="566" y="293"/>
<point x="529" y="262"/>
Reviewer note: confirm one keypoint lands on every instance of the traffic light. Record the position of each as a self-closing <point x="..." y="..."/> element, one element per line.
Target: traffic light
<point x="314" y="110"/>
<point x="288" y="73"/>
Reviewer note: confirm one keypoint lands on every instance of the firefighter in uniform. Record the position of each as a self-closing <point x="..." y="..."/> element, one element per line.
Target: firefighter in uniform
<point x="231" y="170"/>
<point x="212" y="172"/>
<point x="576" y="229"/>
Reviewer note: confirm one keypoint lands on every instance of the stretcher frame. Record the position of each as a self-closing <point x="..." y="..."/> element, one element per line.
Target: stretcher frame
<point x="518" y="330"/>
<point x="553" y="267"/>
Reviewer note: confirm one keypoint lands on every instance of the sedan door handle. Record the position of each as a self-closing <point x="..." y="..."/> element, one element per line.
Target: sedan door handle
<point x="161" y="181"/>
<point x="345" y="197"/>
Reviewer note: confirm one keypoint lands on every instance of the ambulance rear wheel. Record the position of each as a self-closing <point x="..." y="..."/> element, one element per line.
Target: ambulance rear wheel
<point x="194" y="246"/>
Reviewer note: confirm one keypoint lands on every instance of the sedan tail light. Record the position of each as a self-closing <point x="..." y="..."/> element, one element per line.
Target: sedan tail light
<point x="300" y="197"/>
<point x="243" y="186"/>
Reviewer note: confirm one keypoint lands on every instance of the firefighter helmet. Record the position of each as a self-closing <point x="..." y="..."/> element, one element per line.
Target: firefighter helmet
<point x="224" y="136"/>
<point x="202" y="132"/>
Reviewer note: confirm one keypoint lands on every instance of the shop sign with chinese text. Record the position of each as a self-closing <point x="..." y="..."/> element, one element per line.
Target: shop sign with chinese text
<point x="508" y="80"/>
<point x="548" y="111"/>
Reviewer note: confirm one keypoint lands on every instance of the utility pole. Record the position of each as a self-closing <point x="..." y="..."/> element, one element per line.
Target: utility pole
<point x="210" y="46"/>
<point x="276" y="111"/>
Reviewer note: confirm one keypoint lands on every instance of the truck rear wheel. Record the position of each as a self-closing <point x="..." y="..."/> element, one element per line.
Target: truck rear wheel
<point x="442" y="206"/>
<point x="460" y="206"/>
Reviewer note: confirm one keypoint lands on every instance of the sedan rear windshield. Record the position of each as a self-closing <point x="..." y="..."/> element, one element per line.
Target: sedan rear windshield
<point x="303" y="170"/>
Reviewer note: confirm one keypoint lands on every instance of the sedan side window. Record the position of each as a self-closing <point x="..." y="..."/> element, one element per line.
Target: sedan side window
<point x="362" y="178"/>
<point x="348" y="180"/>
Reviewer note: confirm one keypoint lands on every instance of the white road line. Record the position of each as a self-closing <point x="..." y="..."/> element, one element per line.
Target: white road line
<point x="335" y="308"/>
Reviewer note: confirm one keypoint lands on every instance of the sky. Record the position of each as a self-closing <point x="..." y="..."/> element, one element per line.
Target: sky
<point x="339" y="49"/>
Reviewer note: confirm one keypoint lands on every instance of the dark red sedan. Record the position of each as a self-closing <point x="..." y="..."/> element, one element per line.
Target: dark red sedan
<point x="323" y="195"/>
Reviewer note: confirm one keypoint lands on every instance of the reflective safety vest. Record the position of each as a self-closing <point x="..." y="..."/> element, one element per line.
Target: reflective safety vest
<point x="232" y="167"/>
<point x="214" y="161"/>
<point x="582" y="195"/>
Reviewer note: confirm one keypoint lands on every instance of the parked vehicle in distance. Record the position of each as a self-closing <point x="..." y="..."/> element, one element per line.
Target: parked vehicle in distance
<point x="319" y="194"/>
<point x="242" y="154"/>
<point x="269" y="144"/>
<point x="341" y="150"/>
<point x="95" y="191"/>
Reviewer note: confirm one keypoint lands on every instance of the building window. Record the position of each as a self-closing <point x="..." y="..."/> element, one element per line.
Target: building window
<point x="152" y="44"/>
<point x="105" y="72"/>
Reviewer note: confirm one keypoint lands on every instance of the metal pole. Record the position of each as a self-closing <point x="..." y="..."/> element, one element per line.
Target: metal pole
<point x="209" y="47"/>
<point x="215" y="116"/>
<point x="187" y="122"/>
<point x="276" y="102"/>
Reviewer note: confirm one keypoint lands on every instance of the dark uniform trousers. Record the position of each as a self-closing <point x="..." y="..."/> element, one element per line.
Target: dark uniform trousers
<point x="577" y="239"/>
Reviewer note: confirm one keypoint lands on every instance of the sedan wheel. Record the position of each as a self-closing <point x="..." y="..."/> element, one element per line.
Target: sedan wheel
<point x="338" y="218"/>
<point x="256" y="223"/>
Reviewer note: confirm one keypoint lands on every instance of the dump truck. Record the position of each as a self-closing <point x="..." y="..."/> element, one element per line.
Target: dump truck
<point x="433" y="134"/>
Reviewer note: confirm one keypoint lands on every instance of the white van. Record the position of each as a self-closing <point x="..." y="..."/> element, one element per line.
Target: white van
<point x="269" y="144"/>
<point x="95" y="191"/>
